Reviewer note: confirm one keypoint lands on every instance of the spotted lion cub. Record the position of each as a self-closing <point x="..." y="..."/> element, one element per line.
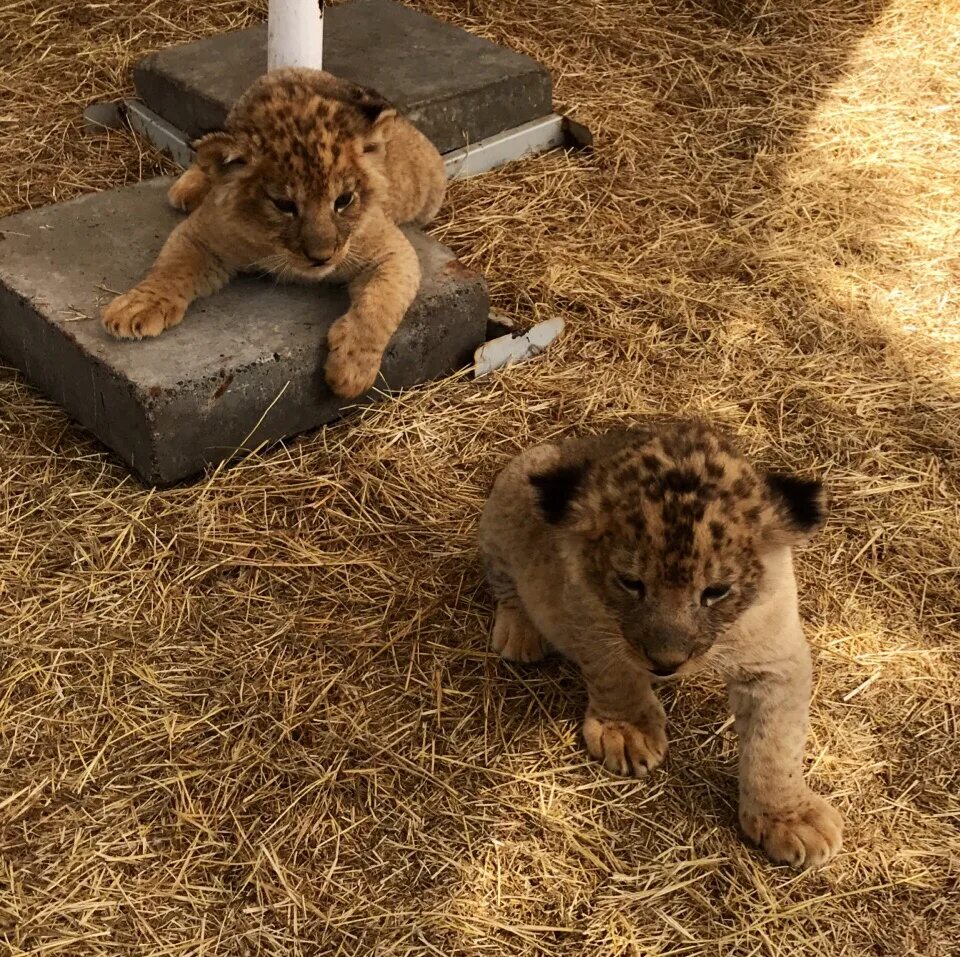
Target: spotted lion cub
<point x="653" y="553"/>
<point x="309" y="180"/>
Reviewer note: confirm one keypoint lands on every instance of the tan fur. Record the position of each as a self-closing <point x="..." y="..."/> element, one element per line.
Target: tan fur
<point x="612" y="550"/>
<point x="308" y="141"/>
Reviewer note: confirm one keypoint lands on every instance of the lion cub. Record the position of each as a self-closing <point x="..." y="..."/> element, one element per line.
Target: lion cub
<point x="308" y="181"/>
<point x="653" y="553"/>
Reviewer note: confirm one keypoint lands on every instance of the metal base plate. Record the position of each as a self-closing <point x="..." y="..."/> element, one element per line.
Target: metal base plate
<point x="539" y="136"/>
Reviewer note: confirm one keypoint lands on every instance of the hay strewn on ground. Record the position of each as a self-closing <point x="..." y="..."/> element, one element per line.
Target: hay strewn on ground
<point x="257" y="716"/>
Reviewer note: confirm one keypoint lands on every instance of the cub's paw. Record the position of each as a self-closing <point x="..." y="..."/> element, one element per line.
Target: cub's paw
<point x="352" y="365"/>
<point x="189" y="189"/>
<point x="514" y="635"/>
<point x="625" y="748"/>
<point x="807" y="836"/>
<point x="142" y="312"/>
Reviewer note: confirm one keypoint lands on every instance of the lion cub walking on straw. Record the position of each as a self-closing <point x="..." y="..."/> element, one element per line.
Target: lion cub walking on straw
<point x="309" y="181"/>
<point x="652" y="553"/>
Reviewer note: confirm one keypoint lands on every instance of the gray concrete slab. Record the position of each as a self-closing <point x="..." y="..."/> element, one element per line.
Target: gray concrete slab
<point x="457" y="87"/>
<point x="245" y="366"/>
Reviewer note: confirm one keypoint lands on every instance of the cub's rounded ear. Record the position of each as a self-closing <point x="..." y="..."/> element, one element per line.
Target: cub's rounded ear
<point x="218" y="152"/>
<point x="556" y="490"/>
<point x="562" y="499"/>
<point x="381" y="117"/>
<point x="799" y="504"/>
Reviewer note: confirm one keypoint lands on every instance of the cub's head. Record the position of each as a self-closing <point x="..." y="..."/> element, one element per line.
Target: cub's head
<point x="298" y="168"/>
<point x="675" y="532"/>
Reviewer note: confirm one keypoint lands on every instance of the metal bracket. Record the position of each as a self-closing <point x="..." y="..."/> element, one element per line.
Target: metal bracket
<point x="165" y="136"/>
<point x="538" y="136"/>
<point x="532" y="138"/>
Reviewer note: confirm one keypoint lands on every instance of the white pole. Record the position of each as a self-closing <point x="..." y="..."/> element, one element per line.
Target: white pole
<point x="295" y="34"/>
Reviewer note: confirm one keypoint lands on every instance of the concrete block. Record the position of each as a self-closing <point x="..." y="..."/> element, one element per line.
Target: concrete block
<point x="457" y="87"/>
<point x="245" y="366"/>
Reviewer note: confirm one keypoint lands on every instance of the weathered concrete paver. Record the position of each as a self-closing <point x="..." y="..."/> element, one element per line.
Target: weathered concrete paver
<point x="245" y="366"/>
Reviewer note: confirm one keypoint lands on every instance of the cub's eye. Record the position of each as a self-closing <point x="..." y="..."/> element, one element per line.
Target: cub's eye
<point x="343" y="201"/>
<point x="713" y="593"/>
<point x="286" y="206"/>
<point x="635" y="586"/>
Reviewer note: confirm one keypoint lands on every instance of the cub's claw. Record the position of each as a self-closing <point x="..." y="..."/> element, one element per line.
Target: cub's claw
<point x="189" y="189"/>
<point x="514" y="635"/>
<point x="625" y="748"/>
<point x="142" y="312"/>
<point x="806" y="836"/>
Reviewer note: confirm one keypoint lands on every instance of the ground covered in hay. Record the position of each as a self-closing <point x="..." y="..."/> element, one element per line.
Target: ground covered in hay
<point x="256" y="715"/>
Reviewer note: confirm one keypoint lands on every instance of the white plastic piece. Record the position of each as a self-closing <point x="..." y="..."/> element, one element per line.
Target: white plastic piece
<point x="295" y="34"/>
<point x="506" y="350"/>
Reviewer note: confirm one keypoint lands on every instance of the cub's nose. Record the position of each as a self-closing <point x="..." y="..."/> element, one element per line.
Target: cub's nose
<point x="663" y="671"/>
<point x="663" y="668"/>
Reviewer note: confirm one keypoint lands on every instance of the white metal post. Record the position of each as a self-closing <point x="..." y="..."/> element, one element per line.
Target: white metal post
<point x="295" y="34"/>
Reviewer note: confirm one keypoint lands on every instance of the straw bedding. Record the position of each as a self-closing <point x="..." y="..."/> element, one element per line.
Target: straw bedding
<point x="256" y="715"/>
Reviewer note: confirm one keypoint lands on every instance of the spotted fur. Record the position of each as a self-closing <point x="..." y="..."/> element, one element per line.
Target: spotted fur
<point x="655" y="552"/>
<point x="309" y="180"/>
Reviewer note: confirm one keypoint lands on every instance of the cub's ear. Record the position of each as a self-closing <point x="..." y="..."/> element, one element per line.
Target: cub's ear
<point x="218" y="152"/>
<point x="381" y="116"/>
<point x="800" y="507"/>
<point x="557" y="489"/>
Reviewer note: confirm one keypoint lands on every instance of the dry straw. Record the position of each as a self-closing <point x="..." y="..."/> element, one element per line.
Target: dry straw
<point x="256" y="715"/>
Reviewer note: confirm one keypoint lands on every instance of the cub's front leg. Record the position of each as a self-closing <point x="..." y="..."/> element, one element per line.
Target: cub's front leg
<point x="189" y="189"/>
<point x="381" y="292"/>
<point x="777" y="809"/>
<point x="186" y="268"/>
<point x="625" y="724"/>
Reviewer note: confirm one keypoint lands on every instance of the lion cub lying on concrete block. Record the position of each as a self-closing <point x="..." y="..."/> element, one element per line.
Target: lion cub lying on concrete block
<point x="309" y="180"/>
<point x="656" y="552"/>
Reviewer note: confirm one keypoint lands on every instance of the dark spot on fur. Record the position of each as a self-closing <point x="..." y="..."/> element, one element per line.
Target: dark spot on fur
<point x="651" y="463"/>
<point x="680" y="445"/>
<point x="743" y="486"/>
<point x="628" y="474"/>
<point x="681" y="481"/>
<point x="718" y="532"/>
<point x="637" y="522"/>
<point x="654" y="491"/>
<point x="557" y="488"/>
<point x="714" y="469"/>
<point x="708" y="491"/>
